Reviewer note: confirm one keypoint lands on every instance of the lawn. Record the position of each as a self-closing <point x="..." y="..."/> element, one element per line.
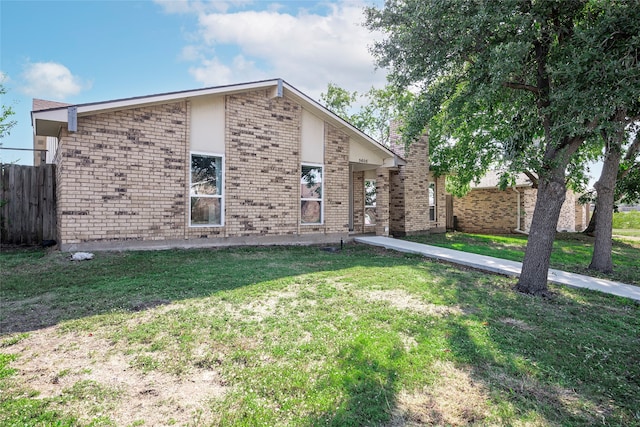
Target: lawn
<point x="297" y="336"/>
<point x="571" y="251"/>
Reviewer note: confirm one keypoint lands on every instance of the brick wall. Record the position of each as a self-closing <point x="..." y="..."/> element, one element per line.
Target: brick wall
<point x="409" y="191"/>
<point x="358" y="202"/>
<point x="397" y="216"/>
<point x="490" y="211"/>
<point x="495" y="211"/>
<point x="262" y="165"/>
<point x="122" y="176"/>
<point x="567" y="219"/>
<point x="336" y="187"/>
<point x="382" y="202"/>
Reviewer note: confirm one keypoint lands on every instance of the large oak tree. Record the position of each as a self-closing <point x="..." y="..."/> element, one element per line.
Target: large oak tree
<point x="506" y="72"/>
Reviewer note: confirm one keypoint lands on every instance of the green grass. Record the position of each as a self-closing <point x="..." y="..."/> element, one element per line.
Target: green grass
<point x="571" y="251"/>
<point x="296" y="336"/>
<point x="626" y="220"/>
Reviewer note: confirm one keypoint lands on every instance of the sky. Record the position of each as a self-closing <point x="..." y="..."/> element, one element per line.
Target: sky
<point x="96" y="50"/>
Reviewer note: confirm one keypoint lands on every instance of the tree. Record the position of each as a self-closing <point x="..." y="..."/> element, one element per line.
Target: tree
<point x="500" y="66"/>
<point x="5" y="116"/>
<point x="608" y="62"/>
<point x="379" y="107"/>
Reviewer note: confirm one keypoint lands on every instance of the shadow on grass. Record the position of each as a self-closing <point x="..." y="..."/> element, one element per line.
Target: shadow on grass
<point x="40" y="290"/>
<point x="522" y="351"/>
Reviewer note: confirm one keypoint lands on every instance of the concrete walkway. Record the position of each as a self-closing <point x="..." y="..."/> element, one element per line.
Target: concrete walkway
<point x="502" y="266"/>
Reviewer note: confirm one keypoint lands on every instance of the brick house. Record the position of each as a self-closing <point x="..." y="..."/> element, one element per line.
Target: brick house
<point x="488" y="210"/>
<point x="252" y="163"/>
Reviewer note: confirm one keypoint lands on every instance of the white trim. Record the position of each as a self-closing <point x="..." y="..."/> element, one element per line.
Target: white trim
<point x="321" y="200"/>
<point x="435" y="201"/>
<point x="221" y="196"/>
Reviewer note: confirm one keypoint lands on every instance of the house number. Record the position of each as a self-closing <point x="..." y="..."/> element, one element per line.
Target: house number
<point x="363" y="160"/>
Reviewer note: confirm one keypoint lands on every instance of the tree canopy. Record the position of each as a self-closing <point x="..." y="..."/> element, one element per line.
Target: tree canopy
<point x="525" y="85"/>
<point x="6" y="112"/>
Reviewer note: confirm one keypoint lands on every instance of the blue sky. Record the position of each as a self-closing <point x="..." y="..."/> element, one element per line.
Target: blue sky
<point x="86" y="51"/>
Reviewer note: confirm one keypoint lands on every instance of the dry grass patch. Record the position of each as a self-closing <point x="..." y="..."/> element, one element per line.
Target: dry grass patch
<point x="403" y="300"/>
<point x="104" y="381"/>
<point x="455" y="399"/>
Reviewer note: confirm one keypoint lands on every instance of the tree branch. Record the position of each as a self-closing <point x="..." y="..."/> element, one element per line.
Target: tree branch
<point x="532" y="178"/>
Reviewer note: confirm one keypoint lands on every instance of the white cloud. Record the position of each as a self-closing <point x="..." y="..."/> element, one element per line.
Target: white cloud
<point x="4" y="78"/>
<point x="51" y="80"/>
<point x="200" y="6"/>
<point x="306" y="49"/>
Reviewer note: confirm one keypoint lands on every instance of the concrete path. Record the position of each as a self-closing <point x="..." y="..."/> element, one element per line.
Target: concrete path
<point x="502" y="266"/>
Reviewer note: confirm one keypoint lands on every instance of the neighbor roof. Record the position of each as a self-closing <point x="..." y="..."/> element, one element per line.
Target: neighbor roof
<point x="492" y="180"/>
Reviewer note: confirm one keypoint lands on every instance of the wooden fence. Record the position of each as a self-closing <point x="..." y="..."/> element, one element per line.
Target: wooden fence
<point x="27" y="204"/>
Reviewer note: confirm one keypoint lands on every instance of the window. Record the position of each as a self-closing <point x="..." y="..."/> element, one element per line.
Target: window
<point x="311" y="194"/>
<point x="205" y="190"/>
<point x="432" y="201"/>
<point x="369" y="202"/>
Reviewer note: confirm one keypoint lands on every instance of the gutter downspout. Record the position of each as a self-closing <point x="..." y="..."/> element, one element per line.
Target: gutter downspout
<point x="517" y="229"/>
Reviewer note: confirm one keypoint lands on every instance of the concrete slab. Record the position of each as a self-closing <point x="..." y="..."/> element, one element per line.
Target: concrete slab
<point x="502" y="266"/>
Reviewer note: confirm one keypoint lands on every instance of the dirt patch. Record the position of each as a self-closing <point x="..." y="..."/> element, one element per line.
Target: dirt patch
<point x="405" y="301"/>
<point x="54" y="363"/>
<point x="454" y="400"/>
<point x="516" y="323"/>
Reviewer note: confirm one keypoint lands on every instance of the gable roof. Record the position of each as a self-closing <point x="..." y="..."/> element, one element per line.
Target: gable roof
<point x="47" y="121"/>
<point x="492" y="180"/>
<point x="43" y="104"/>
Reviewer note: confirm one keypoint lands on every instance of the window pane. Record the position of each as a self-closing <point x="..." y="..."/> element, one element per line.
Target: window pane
<point x="311" y="182"/>
<point x="369" y="193"/>
<point x="206" y="175"/>
<point x="369" y="216"/>
<point x="205" y="211"/>
<point x="310" y="212"/>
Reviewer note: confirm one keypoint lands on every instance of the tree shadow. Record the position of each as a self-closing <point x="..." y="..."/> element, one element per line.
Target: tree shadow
<point x="41" y="289"/>
<point x="368" y="383"/>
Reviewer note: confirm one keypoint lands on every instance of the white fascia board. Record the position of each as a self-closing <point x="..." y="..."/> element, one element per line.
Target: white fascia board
<point x="84" y="109"/>
<point x="60" y="114"/>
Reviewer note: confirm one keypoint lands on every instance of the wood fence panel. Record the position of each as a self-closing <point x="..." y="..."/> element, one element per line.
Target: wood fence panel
<point x="28" y="206"/>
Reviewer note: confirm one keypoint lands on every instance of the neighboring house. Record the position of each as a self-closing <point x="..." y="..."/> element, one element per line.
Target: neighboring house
<point x="487" y="209"/>
<point x="253" y="163"/>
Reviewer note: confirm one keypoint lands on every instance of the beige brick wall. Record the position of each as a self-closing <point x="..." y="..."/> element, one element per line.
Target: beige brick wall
<point x="491" y="211"/>
<point x="122" y="176"/>
<point x="358" y="202"/>
<point x="409" y="191"/>
<point x="495" y="211"/>
<point x="382" y="202"/>
<point x="336" y="189"/>
<point x="262" y="165"/>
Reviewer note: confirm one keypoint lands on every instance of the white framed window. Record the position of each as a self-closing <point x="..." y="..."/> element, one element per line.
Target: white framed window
<point x="311" y="194"/>
<point x="206" y="198"/>
<point x="369" y="202"/>
<point x="432" y="201"/>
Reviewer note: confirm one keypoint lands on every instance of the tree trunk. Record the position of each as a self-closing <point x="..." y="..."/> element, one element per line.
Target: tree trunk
<point x="535" y="266"/>
<point x="605" y="187"/>
<point x="591" y="228"/>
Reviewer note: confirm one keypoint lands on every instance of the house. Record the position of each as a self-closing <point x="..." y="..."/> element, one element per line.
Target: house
<point x="487" y="209"/>
<point x="251" y="163"/>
